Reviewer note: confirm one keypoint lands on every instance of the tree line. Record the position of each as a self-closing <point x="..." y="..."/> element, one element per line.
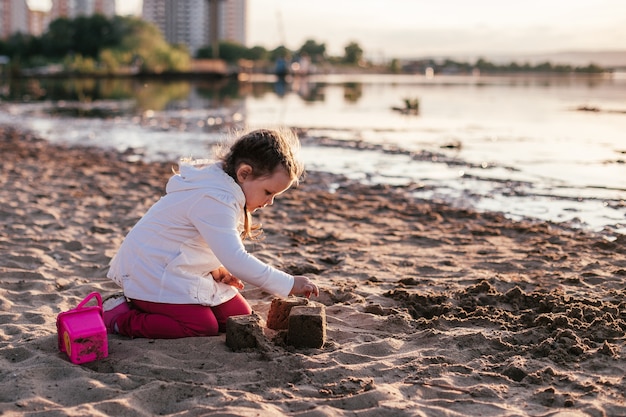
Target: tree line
<point x="99" y="45"/>
<point x="96" y="44"/>
<point x="486" y="67"/>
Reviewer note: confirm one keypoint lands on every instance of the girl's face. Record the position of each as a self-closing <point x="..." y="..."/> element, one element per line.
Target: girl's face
<point x="261" y="191"/>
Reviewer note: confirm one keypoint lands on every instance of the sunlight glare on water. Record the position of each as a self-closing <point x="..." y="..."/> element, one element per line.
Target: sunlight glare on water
<point x="516" y="144"/>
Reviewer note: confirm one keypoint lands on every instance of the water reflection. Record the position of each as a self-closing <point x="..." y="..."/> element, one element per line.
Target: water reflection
<point x="106" y="98"/>
<point x="161" y="94"/>
<point x="153" y="94"/>
<point x="489" y="141"/>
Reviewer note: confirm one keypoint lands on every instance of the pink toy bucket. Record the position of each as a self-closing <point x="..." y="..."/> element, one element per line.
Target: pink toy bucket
<point x="81" y="332"/>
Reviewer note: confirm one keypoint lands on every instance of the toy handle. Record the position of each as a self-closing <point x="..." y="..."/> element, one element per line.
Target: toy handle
<point x="88" y="298"/>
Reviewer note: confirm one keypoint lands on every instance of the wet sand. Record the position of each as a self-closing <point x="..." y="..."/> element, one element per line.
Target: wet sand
<point x="431" y="310"/>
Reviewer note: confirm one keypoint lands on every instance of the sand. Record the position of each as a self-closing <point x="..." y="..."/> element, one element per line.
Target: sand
<point x="431" y="310"/>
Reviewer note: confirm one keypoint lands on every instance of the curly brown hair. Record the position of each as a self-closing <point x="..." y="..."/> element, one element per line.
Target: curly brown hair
<point x="265" y="150"/>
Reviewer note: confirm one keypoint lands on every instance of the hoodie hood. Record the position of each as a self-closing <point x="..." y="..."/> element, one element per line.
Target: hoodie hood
<point x="210" y="179"/>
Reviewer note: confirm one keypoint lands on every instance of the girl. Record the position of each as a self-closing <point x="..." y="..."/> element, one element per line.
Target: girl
<point x="182" y="264"/>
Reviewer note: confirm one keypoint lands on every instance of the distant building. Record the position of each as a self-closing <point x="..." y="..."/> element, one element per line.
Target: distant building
<point x="13" y="17"/>
<point x="16" y="16"/>
<point x="181" y="22"/>
<point x="233" y="21"/>
<point x="74" y="8"/>
<point x="187" y="22"/>
<point x="38" y="22"/>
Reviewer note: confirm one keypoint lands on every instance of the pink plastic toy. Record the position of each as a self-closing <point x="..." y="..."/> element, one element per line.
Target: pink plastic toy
<point x="81" y="332"/>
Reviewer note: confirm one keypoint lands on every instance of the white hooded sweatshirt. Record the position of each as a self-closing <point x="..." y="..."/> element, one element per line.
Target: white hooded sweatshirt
<point x="194" y="229"/>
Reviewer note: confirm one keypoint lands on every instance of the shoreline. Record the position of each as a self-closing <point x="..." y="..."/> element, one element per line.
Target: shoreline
<point x="429" y="307"/>
<point x="472" y="163"/>
<point x="431" y="191"/>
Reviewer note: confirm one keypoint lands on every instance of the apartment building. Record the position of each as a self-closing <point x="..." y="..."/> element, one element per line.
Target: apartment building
<point x="16" y="15"/>
<point x="38" y="22"/>
<point x="74" y="8"/>
<point x="188" y="22"/>
<point x="13" y="17"/>
<point x="233" y="20"/>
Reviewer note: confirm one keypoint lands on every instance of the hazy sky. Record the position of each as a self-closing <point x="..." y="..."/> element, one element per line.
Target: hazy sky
<point x="404" y="28"/>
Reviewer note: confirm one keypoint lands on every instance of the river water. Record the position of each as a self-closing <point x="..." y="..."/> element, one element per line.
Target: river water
<point x="545" y="147"/>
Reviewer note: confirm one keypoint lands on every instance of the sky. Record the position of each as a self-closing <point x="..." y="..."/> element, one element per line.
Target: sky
<point x="408" y="28"/>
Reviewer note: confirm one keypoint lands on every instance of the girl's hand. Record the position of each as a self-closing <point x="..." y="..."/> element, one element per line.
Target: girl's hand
<point x="221" y="274"/>
<point x="304" y="286"/>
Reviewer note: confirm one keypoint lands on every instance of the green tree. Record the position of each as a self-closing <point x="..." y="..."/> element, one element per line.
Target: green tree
<point x="93" y="34"/>
<point x="85" y="35"/>
<point x="544" y="67"/>
<point x="233" y="51"/>
<point x="353" y="53"/>
<point x="257" y="53"/>
<point x="484" y="65"/>
<point x="21" y="46"/>
<point x="80" y="64"/>
<point x="58" y="41"/>
<point x="316" y="51"/>
<point x="394" y="66"/>
<point x="109" y="61"/>
<point x="143" y="45"/>
<point x="590" y="69"/>
<point x="279" y="52"/>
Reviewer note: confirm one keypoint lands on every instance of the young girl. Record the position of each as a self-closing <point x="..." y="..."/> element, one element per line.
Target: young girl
<point x="182" y="264"/>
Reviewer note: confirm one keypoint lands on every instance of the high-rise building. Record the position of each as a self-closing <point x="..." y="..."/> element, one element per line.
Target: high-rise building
<point x="181" y="22"/>
<point x="16" y="16"/>
<point x="74" y="8"/>
<point x="38" y="22"/>
<point x="233" y="21"/>
<point x="13" y="17"/>
<point x="188" y="21"/>
<point x="105" y="7"/>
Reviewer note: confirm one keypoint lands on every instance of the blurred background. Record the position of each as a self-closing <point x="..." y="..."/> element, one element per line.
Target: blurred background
<point x="516" y="108"/>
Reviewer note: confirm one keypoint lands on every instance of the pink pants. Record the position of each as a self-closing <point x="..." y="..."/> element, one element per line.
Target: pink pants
<point x="173" y="321"/>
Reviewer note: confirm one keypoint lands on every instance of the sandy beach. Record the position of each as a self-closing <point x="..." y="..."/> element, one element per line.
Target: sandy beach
<point x="431" y="310"/>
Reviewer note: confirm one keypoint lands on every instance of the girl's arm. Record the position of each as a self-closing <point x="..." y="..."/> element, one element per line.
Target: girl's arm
<point x="217" y="224"/>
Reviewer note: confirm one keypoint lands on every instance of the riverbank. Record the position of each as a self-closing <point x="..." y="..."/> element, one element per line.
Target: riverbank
<point x="431" y="310"/>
